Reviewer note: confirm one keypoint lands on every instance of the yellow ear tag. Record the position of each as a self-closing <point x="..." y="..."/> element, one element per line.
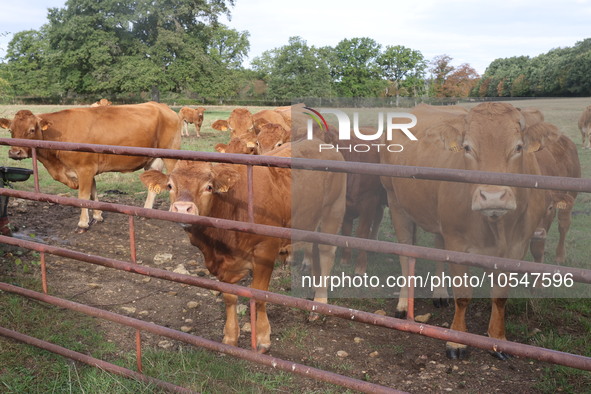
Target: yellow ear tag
<point x="155" y="188"/>
<point x="561" y="205"/>
<point x="534" y="147"/>
<point x="454" y="147"/>
<point x="224" y="128"/>
<point x="223" y="189"/>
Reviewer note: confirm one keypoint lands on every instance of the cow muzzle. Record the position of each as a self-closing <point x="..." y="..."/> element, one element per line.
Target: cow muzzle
<point x="184" y="207"/>
<point x="17" y="153"/>
<point x="493" y="201"/>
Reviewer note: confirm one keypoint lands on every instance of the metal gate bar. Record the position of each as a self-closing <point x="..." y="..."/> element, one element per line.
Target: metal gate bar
<point x="94" y="362"/>
<point x="490" y="262"/>
<point x="518" y="349"/>
<point x="264" y="359"/>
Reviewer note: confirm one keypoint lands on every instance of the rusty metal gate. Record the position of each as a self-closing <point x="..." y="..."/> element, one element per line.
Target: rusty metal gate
<point x="520" y="180"/>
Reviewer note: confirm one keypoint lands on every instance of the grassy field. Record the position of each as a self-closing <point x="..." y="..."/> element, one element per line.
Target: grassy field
<point x="20" y="374"/>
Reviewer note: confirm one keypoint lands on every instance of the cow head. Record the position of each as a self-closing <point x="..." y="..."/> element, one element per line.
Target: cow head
<point x="237" y="145"/>
<point x="240" y="122"/>
<point x="25" y="125"/>
<point x="192" y="185"/>
<point x="495" y="138"/>
<point x="271" y="136"/>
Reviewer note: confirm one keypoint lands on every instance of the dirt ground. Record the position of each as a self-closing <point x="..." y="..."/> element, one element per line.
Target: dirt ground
<point x="396" y="359"/>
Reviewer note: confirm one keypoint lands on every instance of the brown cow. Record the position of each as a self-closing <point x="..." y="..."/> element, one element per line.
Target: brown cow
<point x="149" y="125"/>
<point x="220" y="191"/>
<point x="241" y="121"/>
<point x="558" y="158"/>
<point x="190" y="115"/>
<point x="585" y="127"/>
<point x="481" y="219"/>
<point x="237" y="145"/>
<point x="101" y="103"/>
<point x="366" y="200"/>
<point x="271" y="136"/>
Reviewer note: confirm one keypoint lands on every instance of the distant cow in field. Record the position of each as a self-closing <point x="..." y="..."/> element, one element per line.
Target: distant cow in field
<point x="190" y="115"/>
<point x="220" y="191"/>
<point x="242" y="121"/>
<point x="558" y="158"/>
<point x="148" y="125"/>
<point x="101" y="103"/>
<point x="473" y="218"/>
<point x="585" y="127"/>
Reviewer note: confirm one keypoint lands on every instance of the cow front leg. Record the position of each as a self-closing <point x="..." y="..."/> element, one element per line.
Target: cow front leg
<point x="462" y="298"/>
<point x="231" y="329"/>
<point x="261" y="276"/>
<point x="158" y="165"/>
<point x="564" y="222"/>
<point x="440" y="294"/>
<point x="97" y="215"/>
<point x="496" y="325"/>
<point x="85" y="187"/>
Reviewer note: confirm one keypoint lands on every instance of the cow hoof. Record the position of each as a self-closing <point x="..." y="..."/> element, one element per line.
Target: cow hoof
<point x="263" y="348"/>
<point x="81" y="230"/>
<point x="454" y="353"/>
<point x="440" y="302"/>
<point x="400" y="314"/>
<point x="500" y="355"/>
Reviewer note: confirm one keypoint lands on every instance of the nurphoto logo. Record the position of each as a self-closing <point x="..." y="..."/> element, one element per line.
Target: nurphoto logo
<point x="346" y="133"/>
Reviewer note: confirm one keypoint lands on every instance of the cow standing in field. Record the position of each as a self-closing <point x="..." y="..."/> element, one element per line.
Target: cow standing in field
<point x="220" y="191"/>
<point x="585" y="127"/>
<point x="366" y="200"/>
<point x="148" y="125"/>
<point x="558" y="158"/>
<point x="482" y="219"/>
<point x="190" y="115"/>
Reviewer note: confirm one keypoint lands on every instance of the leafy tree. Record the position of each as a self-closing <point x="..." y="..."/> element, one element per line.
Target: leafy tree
<point x="460" y="82"/>
<point x="354" y="68"/>
<point x="440" y="68"/>
<point x="399" y="63"/>
<point x="295" y="71"/>
<point x="28" y="68"/>
<point x="112" y="45"/>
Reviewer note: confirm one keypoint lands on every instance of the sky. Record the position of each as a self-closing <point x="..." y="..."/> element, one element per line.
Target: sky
<point x="469" y="31"/>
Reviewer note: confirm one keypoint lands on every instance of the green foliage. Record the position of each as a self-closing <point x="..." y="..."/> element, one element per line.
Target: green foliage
<point x="295" y="70"/>
<point x="404" y="68"/>
<point x="112" y="47"/>
<point x="354" y="68"/>
<point x="559" y="72"/>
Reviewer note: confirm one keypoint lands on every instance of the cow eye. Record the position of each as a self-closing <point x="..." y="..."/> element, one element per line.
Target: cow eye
<point x="467" y="148"/>
<point x="32" y="130"/>
<point x="519" y="148"/>
<point x="169" y="186"/>
<point x="209" y="188"/>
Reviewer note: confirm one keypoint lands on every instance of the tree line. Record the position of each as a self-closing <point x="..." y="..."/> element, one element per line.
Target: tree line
<point x="142" y="50"/>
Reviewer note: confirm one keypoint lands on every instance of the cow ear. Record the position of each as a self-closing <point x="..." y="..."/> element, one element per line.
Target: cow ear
<point x="221" y="147"/>
<point x="536" y="137"/>
<point x="154" y="180"/>
<point x="224" y="177"/>
<point x="446" y="137"/>
<point x="260" y="122"/>
<point x="221" y="125"/>
<point x="44" y="124"/>
<point x="4" y="123"/>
